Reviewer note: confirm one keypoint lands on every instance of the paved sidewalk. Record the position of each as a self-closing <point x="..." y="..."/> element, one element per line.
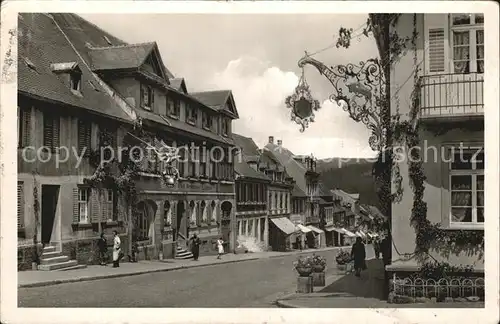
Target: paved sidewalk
<point x="95" y="272"/>
<point x="348" y="291"/>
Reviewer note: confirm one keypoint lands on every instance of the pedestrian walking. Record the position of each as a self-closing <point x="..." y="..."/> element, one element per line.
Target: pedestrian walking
<point x="117" y="251"/>
<point x="376" y="247"/>
<point x="102" y="245"/>
<point x="298" y="241"/>
<point x="195" y="246"/>
<point x="358" y="253"/>
<point x="220" y="247"/>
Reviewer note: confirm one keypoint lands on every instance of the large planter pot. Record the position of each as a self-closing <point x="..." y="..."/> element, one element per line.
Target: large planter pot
<point x="305" y="285"/>
<point x="318" y="279"/>
<point x="318" y="268"/>
<point x="304" y="272"/>
<point x="341" y="267"/>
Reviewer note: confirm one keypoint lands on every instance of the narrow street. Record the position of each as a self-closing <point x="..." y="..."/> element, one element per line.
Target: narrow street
<point x="255" y="283"/>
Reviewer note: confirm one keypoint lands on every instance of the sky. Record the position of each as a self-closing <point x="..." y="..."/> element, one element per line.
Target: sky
<point x="256" y="57"/>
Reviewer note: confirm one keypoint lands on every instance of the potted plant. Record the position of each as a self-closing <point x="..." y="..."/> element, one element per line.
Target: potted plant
<point x="342" y="259"/>
<point x="319" y="267"/>
<point x="318" y="263"/>
<point x="303" y="266"/>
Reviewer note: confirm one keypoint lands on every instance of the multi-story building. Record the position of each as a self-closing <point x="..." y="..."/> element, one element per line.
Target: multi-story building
<point x="303" y="171"/>
<point x="279" y="200"/>
<point x="278" y="186"/>
<point x="251" y="197"/>
<point x="75" y="79"/>
<point x="449" y="52"/>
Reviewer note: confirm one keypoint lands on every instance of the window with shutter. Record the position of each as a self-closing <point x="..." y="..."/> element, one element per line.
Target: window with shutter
<point x="24" y="127"/>
<point x="95" y="206"/>
<point x="83" y="205"/>
<point x="20" y="205"/>
<point x="76" y="206"/>
<point x="84" y="137"/>
<point x="467" y="43"/>
<point x="51" y="124"/>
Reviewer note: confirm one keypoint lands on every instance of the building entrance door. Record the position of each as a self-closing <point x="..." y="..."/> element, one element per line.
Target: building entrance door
<point x="50" y="196"/>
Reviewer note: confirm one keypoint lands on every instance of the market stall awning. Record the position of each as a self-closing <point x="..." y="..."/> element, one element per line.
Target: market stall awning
<point x="284" y="224"/>
<point x="348" y="233"/>
<point x="303" y="229"/>
<point x="334" y="229"/>
<point x="315" y="229"/>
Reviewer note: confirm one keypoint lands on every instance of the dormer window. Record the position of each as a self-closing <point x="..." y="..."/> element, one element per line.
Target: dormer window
<point x="75" y="81"/>
<point x="191" y="115"/>
<point x="225" y="127"/>
<point x="207" y="120"/>
<point x="147" y="97"/>
<point x="72" y="70"/>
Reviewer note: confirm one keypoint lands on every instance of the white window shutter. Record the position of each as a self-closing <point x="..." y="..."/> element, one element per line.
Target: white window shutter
<point x="437" y="44"/>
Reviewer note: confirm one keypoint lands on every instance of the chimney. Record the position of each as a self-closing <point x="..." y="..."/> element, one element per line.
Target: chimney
<point x="271" y="139"/>
<point x="280" y="142"/>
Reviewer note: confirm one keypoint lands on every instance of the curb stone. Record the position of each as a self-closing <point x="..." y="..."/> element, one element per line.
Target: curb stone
<point x="129" y="274"/>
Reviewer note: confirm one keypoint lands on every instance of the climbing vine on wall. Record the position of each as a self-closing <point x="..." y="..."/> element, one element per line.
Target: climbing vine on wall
<point x="406" y="132"/>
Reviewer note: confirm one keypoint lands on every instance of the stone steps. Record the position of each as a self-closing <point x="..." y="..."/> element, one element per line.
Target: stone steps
<point x="183" y="254"/>
<point x="52" y="259"/>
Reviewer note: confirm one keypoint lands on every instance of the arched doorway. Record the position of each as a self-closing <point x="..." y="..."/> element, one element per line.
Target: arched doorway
<point x="144" y="221"/>
<point x="181" y="220"/>
<point x="226" y="208"/>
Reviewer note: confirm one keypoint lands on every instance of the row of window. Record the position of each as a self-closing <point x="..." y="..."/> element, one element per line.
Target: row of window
<point x="298" y="206"/>
<point x="275" y="176"/>
<point x="252" y="227"/>
<point x="51" y="132"/>
<point x="250" y="192"/>
<point x="174" y="110"/>
<point x="279" y="200"/>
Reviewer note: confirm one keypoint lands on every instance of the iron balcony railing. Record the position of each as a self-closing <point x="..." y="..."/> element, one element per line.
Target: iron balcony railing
<point x="448" y="95"/>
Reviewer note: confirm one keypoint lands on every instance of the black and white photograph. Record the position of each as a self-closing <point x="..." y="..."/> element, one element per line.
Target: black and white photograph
<point x="232" y="156"/>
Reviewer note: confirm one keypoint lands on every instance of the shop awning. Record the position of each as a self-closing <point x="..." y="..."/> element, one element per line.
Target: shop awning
<point x="334" y="229"/>
<point x="303" y="229"/>
<point x="348" y="233"/>
<point x="284" y="224"/>
<point x="315" y="229"/>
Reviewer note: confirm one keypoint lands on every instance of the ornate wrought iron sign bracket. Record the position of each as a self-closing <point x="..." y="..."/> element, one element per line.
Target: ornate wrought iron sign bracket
<point x="302" y="104"/>
<point x="359" y="90"/>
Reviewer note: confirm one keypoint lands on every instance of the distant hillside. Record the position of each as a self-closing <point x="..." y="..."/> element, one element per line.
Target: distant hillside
<point x="353" y="177"/>
<point x="335" y="163"/>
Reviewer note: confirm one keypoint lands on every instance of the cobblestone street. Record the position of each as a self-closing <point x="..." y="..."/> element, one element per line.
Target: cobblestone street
<point x="256" y="283"/>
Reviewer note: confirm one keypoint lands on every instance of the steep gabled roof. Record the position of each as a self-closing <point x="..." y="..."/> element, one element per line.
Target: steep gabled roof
<point x="179" y="84"/>
<point x="219" y="100"/>
<point x="42" y="43"/>
<point x="120" y="56"/>
<point x="246" y="144"/>
<point x="88" y="37"/>
<point x="295" y="169"/>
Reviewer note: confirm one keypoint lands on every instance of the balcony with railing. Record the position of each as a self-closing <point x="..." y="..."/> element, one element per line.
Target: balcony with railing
<point x="452" y="96"/>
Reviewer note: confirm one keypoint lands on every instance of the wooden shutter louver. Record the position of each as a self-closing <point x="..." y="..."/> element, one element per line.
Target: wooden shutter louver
<point x="26" y="127"/>
<point x="437" y="59"/>
<point x="84" y="137"/>
<point x="47" y="130"/>
<point x="20" y="205"/>
<point x="94" y="205"/>
<point x="76" y="207"/>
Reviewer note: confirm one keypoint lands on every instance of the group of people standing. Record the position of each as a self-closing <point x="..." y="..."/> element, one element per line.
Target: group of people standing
<point x="195" y="243"/>
<point x="102" y="245"/>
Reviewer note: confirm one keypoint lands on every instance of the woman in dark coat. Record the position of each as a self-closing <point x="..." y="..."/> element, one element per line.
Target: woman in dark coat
<point x="103" y="249"/>
<point x="195" y="246"/>
<point x="358" y="253"/>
